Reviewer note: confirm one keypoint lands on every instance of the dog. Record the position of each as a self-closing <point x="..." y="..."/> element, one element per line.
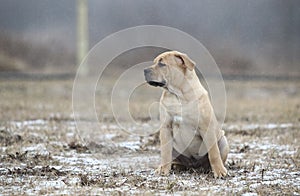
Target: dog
<point x="189" y="135"/>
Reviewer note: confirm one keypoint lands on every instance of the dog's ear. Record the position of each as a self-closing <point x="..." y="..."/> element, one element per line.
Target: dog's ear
<point x="186" y="61"/>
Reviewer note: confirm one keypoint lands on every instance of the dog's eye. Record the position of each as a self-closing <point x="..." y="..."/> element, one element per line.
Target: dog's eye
<point x="160" y="64"/>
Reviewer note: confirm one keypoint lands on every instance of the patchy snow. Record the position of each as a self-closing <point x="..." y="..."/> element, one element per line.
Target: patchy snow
<point x="85" y="159"/>
<point x="133" y="145"/>
<point x="254" y="168"/>
<point x="247" y="127"/>
<point x="110" y="136"/>
<point x="249" y="194"/>
<point x="109" y="126"/>
<point x="38" y="147"/>
<point x="29" y="122"/>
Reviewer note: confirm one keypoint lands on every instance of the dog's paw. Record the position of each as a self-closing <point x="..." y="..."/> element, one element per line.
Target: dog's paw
<point x="219" y="171"/>
<point x="163" y="170"/>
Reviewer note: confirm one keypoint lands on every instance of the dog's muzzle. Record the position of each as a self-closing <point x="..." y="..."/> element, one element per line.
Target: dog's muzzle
<point x="148" y="76"/>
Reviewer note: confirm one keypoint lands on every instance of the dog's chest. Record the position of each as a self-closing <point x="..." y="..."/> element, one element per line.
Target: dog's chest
<point x="184" y="119"/>
<point x="186" y="138"/>
<point x="183" y="114"/>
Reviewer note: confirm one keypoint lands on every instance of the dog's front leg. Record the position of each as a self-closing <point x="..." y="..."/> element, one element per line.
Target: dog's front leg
<point x="166" y="147"/>
<point x="211" y="142"/>
<point x="216" y="162"/>
<point x="210" y="133"/>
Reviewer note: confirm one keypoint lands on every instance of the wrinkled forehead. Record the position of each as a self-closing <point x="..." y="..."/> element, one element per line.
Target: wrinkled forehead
<point x="163" y="56"/>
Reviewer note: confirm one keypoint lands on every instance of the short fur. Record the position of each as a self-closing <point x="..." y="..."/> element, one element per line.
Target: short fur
<point x="190" y="134"/>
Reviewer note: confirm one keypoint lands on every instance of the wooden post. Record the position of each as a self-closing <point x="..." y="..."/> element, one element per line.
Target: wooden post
<point x="82" y="33"/>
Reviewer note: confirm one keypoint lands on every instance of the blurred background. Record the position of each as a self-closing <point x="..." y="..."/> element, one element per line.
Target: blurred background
<point x="245" y="37"/>
<point x="255" y="43"/>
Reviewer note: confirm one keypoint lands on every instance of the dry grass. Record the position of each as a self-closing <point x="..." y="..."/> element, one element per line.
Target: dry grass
<point x="41" y="152"/>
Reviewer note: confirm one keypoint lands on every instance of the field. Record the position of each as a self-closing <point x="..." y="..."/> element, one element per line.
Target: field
<point x="42" y="153"/>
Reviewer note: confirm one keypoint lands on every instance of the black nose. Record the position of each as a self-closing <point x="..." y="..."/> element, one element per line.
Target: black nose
<point x="146" y="71"/>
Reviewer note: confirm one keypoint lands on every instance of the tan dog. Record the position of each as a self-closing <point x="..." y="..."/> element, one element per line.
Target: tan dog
<point x="190" y="134"/>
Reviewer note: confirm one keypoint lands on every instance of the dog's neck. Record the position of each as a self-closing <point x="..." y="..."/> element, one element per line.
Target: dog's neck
<point x="188" y="91"/>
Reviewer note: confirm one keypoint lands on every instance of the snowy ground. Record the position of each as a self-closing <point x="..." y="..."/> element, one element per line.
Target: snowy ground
<point x="42" y="153"/>
<point x="31" y="163"/>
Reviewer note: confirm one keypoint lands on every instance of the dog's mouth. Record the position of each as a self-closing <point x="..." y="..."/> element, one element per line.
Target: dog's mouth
<point x="156" y="83"/>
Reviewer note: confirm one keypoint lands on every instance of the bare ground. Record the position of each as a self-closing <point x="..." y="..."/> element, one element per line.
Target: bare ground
<point x="42" y="152"/>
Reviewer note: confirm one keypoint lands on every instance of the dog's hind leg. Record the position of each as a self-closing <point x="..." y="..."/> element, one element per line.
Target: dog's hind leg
<point x="224" y="148"/>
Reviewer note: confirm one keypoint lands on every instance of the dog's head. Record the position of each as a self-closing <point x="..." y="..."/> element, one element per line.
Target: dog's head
<point x="170" y="68"/>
